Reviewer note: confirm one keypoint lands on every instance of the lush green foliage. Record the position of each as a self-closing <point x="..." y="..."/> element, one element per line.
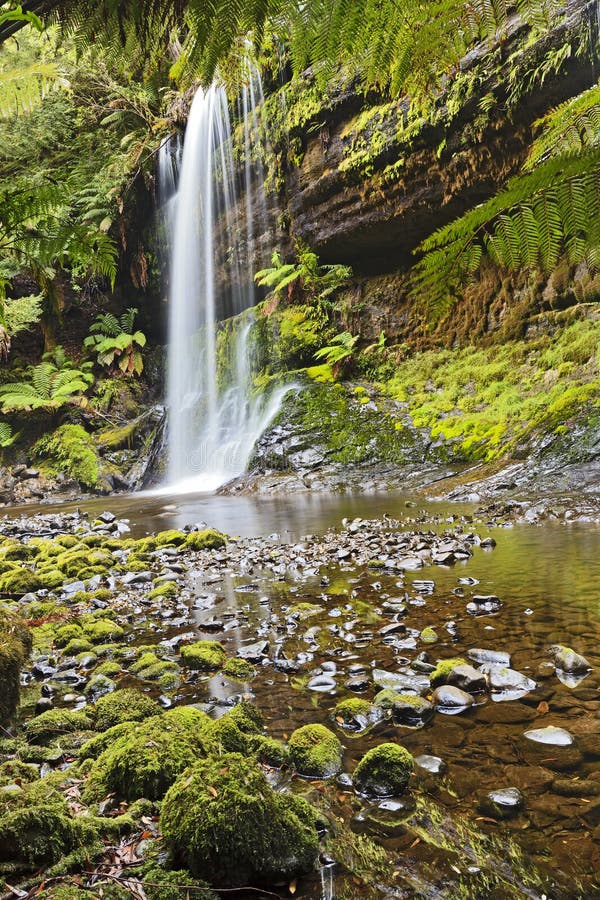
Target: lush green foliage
<point x="116" y="343"/>
<point x="52" y="384"/>
<point x="305" y="278"/>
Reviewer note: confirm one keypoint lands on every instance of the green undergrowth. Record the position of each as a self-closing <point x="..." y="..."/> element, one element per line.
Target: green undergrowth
<point x="72" y="450"/>
<point x="489" y="401"/>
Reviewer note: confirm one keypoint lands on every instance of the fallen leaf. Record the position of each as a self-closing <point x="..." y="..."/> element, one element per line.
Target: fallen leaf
<point x="214" y="792"/>
<point x="293" y="886"/>
<point x="543" y="708"/>
<point x="414" y="843"/>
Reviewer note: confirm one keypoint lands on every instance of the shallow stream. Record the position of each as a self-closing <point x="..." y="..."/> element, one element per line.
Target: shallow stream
<point x="443" y="842"/>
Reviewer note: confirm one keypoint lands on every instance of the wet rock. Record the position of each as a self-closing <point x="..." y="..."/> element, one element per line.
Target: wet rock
<point x="504" y="803"/>
<point x="254" y="652"/>
<point x="432" y="764"/>
<point x="551" y="735"/>
<point x="411" y="710"/>
<point x="446" y="698"/>
<point x="467" y="679"/>
<point x="358" y="684"/>
<point x="323" y="683"/>
<point x="107" y="518"/>
<point x="484" y="606"/>
<point x="384" y="771"/>
<point x="386" y="818"/>
<point x="400" y="681"/>
<point x="495" y="657"/>
<point x="576" y="787"/>
<point x="569" y="661"/>
<point x="315" y="751"/>
<point x="507" y="684"/>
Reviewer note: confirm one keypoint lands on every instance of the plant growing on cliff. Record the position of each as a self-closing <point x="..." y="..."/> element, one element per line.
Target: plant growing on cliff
<point x="52" y="384"/>
<point x="551" y="210"/>
<point x="115" y="342"/>
<point x="305" y="279"/>
<point x="339" y="352"/>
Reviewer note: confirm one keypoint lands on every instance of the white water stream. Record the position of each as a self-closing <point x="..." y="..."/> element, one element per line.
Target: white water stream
<point x="214" y="417"/>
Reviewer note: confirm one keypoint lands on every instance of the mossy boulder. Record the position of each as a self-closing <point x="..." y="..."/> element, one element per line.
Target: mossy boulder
<point x="165" y="589"/>
<point x="205" y="656"/>
<point x="444" y="667"/>
<point x="355" y="713"/>
<point x="18" y="582"/>
<point x="149" y="756"/>
<point x="56" y="722"/>
<point x="15" y="771"/>
<point x="269" y="751"/>
<point x="161" y="884"/>
<point x="102" y="630"/>
<point x="170" y="538"/>
<point x="384" y="771"/>
<point x="209" y="539"/>
<point x="124" y="705"/>
<point x="15" y="646"/>
<point x="72" y="450"/>
<point x="224" y="822"/>
<point x="151" y="667"/>
<point x="240" y="669"/>
<point x="36" y="827"/>
<point x="66" y="633"/>
<point x="315" y="751"/>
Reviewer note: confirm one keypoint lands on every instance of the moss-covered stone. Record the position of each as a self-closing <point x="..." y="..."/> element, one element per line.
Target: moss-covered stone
<point x="354" y="712"/>
<point x="384" y="771"/>
<point x="205" y="656"/>
<point x="240" y="669"/>
<point x="269" y="751"/>
<point x="224" y="822"/>
<point x="56" y="722"/>
<point x="209" y="539"/>
<point x="18" y="582"/>
<point x="429" y="635"/>
<point x="14" y="770"/>
<point x="151" y="667"/>
<point x="444" y="667"/>
<point x="67" y="633"/>
<point x="72" y="450"/>
<point x="124" y="705"/>
<point x="315" y="751"/>
<point x="97" y="744"/>
<point x="170" y="538"/>
<point x="147" y="759"/>
<point x="160" y="884"/>
<point x="165" y="589"/>
<point x="103" y="630"/>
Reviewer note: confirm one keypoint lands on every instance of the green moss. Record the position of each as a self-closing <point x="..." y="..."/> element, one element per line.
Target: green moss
<point x="170" y="538"/>
<point x="77" y="646"/>
<point x="164" y="589"/>
<point x="66" y="633"/>
<point x="207" y="539"/>
<point x="70" y="449"/>
<point x="103" y="630"/>
<point x="429" y="635"/>
<point x="41" y="835"/>
<point x="385" y="698"/>
<point x="54" y="723"/>
<point x="240" y="669"/>
<point x="224" y="822"/>
<point x="268" y="751"/>
<point x="346" y="711"/>
<point x="147" y="759"/>
<point x="20" y="581"/>
<point x="160" y="884"/>
<point x="443" y="669"/>
<point x="100" y="742"/>
<point x="151" y="668"/>
<point x="15" y="646"/>
<point x="304" y="610"/>
<point x="14" y="770"/>
<point x="383" y="771"/>
<point x="315" y="751"/>
<point x="206" y="656"/>
<point x="110" y="668"/>
<point x="125" y="705"/>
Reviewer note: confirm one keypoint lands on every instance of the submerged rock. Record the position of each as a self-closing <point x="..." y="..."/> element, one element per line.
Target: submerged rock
<point x="449" y="698"/>
<point x="568" y="661"/>
<point x="411" y="710"/>
<point x="507" y="684"/>
<point x="384" y="771"/>
<point x="503" y="803"/>
<point x="552" y="735"/>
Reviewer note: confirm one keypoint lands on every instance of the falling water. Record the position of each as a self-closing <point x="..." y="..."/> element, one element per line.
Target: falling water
<point x="214" y="417"/>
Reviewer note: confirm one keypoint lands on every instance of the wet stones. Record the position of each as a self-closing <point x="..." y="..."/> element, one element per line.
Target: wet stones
<point x="384" y="771"/>
<point x="494" y="657"/>
<point x="467" y="679"/>
<point x="431" y="764"/>
<point x="507" y="684"/>
<point x="411" y="710"/>
<point x="550" y="735"/>
<point x="484" y="605"/>
<point x="504" y="803"/>
<point x="450" y="699"/>
<point x="568" y="661"/>
<point x="315" y="751"/>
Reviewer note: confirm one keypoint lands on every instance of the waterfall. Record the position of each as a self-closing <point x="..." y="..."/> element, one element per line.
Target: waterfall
<point x="214" y="418"/>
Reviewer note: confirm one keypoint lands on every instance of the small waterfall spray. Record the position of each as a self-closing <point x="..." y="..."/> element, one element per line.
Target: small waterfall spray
<point x="214" y="417"/>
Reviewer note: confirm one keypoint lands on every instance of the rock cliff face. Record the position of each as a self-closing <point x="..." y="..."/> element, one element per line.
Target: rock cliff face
<point x="371" y="186"/>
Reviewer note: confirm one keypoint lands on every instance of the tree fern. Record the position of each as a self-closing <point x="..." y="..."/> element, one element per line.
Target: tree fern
<point x="552" y="210"/>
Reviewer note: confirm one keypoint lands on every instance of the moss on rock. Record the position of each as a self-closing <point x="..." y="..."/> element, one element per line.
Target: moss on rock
<point x="72" y="450"/>
<point x="224" y="822"/>
<point x="148" y="757"/>
<point x="208" y="539"/>
<point x="56" y="722"/>
<point x="383" y="771"/>
<point x="240" y="669"/>
<point x="444" y="667"/>
<point x="161" y="884"/>
<point x="206" y="656"/>
<point x="124" y="705"/>
<point x="316" y="751"/>
<point x="18" y="582"/>
<point x="164" y="589"/>
<point x="102" y="630"/>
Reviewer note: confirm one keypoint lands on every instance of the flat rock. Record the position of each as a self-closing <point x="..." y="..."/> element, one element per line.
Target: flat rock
<point x="496" y="657"/>
<point x="448" y="697"/>
<point x="552" y="735"/>
<point x="467" y="679"/>
<point x="507" y="684"/>
<point x="568" y="661"/>
<point x="503" y="803"/>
